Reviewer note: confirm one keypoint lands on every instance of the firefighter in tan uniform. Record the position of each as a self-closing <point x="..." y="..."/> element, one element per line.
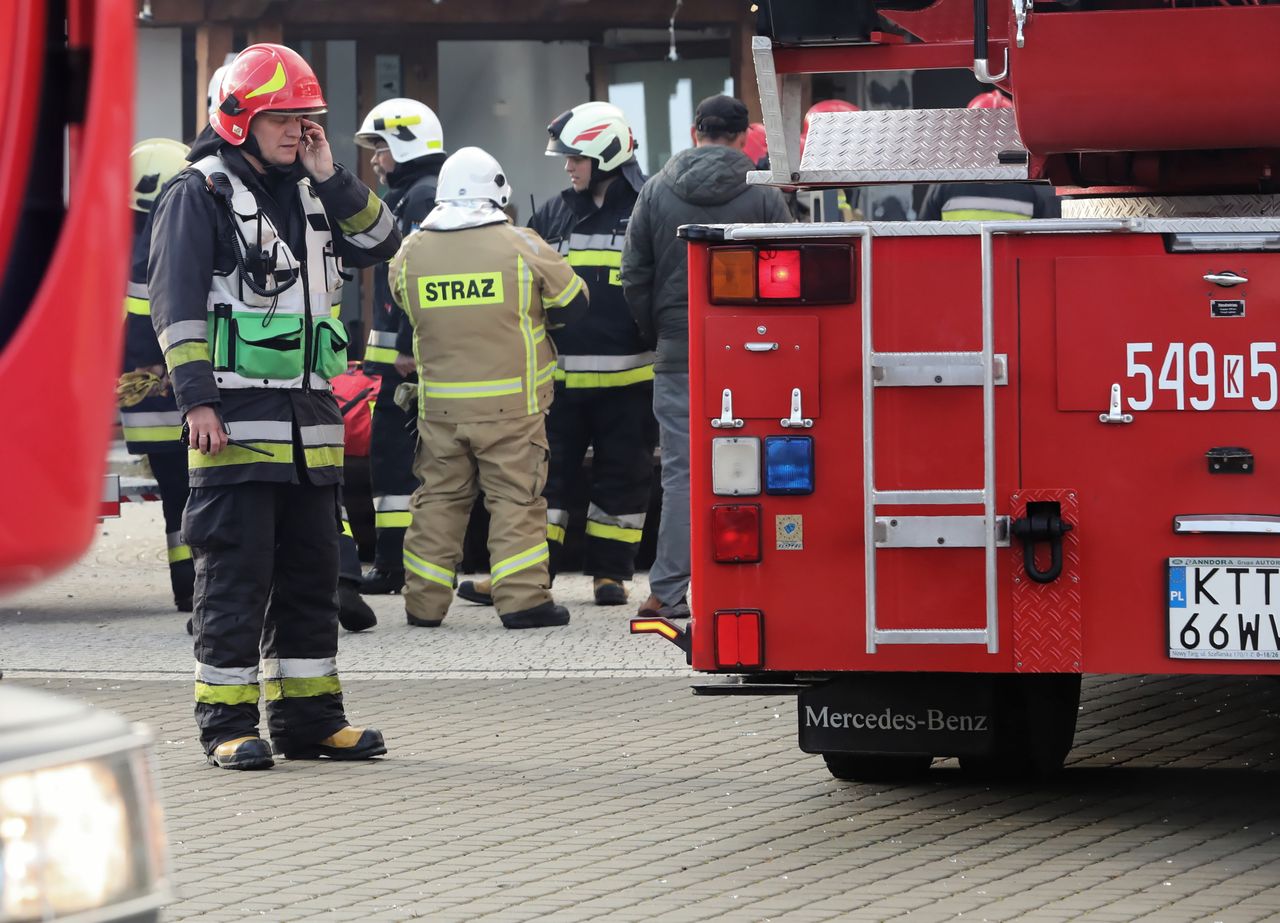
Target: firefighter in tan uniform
<point x="481" y="295"/>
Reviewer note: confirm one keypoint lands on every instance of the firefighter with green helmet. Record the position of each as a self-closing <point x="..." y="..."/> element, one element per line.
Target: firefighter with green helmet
<point x="149" y="416"/>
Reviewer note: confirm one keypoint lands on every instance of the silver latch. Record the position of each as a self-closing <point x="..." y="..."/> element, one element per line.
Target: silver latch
<point x="1114" y="415"/>
<point x="760" y="347"/>
<point x="1225" y="279"/>
<point x="1021" y="10"/>
<point x="797" y="419"/>
<point x="726" y="420"/>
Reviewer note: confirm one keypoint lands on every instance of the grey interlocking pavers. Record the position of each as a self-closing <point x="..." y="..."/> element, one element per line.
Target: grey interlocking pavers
<point x="568" y="775"/>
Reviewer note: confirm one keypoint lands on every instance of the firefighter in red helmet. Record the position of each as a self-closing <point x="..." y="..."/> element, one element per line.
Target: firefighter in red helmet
<point x="989" y="201"/>
<point x="992" y="99"/>
<point x="247" y="249"/>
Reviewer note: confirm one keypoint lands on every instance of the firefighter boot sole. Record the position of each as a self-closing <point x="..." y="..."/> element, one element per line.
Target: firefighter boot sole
<point x="422" y="623"/>
<point x="245" y="753"/>
<point x="548" y="615"/>
<point x="367" y="746"/>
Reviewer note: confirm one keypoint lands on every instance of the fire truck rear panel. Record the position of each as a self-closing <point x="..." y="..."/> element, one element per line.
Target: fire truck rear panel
<point x="1073" y="315"/>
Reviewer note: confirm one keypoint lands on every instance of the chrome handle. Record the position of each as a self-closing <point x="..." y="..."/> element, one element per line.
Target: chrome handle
<point x="760" y="347"/>
<point x="1243" y="523"/>
<point x="1225" y="279"/>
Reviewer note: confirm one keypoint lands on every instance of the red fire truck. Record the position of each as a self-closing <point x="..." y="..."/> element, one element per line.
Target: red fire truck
<point x="942" y="469"/>
<point x="66" y="97"/>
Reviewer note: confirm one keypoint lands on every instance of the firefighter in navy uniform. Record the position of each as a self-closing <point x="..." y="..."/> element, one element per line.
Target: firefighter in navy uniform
<point x="481" y="296"/>
<point x="989" y="201"/>
<point x="149" y="416"/>
<point x="246" y="251"/>
<point x="604" y="378"/>
<point x="408" y="150"/>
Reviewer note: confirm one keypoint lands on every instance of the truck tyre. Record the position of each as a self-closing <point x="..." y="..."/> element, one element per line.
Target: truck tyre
<point x="1034" y="725"/>
<point x="877" y="767"/>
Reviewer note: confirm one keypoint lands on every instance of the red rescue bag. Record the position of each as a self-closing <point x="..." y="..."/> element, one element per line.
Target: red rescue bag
<point x="355" y="392"/>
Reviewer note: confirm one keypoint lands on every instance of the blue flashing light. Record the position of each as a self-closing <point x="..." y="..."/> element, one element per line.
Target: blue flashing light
<point x="788" y="464"/>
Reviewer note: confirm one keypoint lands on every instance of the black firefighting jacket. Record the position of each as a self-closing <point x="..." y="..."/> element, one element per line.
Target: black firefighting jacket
<point x="603" y="349"/>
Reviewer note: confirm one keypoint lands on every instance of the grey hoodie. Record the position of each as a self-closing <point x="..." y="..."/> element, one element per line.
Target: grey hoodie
<point x="701" y="185"/>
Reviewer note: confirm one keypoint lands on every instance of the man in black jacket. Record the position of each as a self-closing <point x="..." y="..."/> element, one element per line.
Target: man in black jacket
<point x="604" y="375"/>
<point x="246" y="253"/>
<point x="705" y="184"/>
<point x="408" y="151"/>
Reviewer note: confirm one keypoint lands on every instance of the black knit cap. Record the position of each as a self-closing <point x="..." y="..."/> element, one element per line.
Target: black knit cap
<point x="721" y="115"/>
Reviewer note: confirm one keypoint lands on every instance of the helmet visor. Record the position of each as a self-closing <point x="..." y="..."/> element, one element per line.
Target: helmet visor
<point x="557" y="148"/>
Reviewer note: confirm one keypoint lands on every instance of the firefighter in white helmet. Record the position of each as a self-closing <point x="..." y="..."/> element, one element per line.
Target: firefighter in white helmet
<point x="149" y="415"/>
<point x="408" y="151"/>
<point x="604" y="378"/>
<point x="481" y="296"/>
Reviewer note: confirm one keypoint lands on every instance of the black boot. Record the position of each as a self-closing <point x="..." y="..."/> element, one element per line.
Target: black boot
<point x="544" y="616"/>
<point x="347" y="744"/>
<point x="354" y="613"/>
<point x="476" y="591"/>
<point x="609" y="592"/>
<point x="242" y="753"/>
<point x="378" y="582"/>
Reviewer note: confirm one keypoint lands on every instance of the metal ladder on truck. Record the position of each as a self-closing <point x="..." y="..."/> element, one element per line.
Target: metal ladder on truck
<point x="907" y="146"/>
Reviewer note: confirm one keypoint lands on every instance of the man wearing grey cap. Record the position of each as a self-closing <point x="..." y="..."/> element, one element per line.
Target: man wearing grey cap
<point x="706" y="184"/>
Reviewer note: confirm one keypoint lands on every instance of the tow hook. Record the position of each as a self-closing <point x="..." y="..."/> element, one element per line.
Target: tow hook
<point x="1043" y="523"/>
<point x="673" y="633"/>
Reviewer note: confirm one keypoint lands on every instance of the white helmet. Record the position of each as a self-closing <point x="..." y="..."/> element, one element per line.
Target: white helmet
<point x="409" y="128"/>
<point x="472" y="173"/>
<point x="596" y="130"/>
<point x="215" y="86"/>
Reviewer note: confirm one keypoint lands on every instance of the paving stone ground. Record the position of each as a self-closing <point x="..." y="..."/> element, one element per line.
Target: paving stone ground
<point x="569" y="775"/>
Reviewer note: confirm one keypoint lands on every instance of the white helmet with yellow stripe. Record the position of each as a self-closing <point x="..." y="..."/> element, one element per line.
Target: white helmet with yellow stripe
<point x="409" y="128"/>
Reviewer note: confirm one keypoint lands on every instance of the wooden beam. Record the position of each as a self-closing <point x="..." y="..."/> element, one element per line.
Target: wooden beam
<point x="268" y="30"/>
<point x="420" y="72"/>
<point x="213" y="44"/>
<point x="742" y="67"/>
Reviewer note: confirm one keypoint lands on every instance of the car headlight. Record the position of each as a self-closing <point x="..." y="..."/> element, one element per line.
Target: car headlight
<point x="81" y="837"/>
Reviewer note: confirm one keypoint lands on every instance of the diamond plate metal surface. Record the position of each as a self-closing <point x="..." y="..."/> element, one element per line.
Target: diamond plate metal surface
<point x="1198" y="206"/>
<point x="1047" y="634"/>
<point x="746" y="232"/>
<point x="910" y="145"/>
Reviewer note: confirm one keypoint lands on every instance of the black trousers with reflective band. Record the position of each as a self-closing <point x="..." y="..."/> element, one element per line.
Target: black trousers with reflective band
<point x="170" y="470"/>
<point x="266" y="587"/>
<point x="392" y="443"/>
<point x="618" y="424"/>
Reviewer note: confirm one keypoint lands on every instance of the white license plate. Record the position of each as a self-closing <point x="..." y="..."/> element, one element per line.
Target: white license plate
<point x="1224" y="608"/>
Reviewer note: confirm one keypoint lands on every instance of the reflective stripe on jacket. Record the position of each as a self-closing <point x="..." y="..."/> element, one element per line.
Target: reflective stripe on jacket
<point x="192" y="266"/>
<point x="604" y="349"/>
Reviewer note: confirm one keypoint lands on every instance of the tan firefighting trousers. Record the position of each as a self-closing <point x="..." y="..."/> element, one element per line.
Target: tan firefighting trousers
<point x="507" y="459"/>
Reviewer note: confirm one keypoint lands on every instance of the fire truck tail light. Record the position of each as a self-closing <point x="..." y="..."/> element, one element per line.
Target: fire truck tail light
<point x="779" y="274"/>
<point x="735" y="466"/>
<point x="735" y="533"/>
<point x="788" y="464"/>
<point x="733" y="274"/>
<point x="808" y="274"/>
<point x="739" y="639"/>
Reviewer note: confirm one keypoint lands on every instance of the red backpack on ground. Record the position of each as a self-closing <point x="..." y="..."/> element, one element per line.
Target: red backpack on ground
<point x="355" y="392"/>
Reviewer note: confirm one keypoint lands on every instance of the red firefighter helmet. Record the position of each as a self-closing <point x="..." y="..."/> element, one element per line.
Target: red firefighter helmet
<point x="757" y="145"/>
<point x="264" y="78"/>
<point x="825" y="105"/>
<point x="993" y="99"/>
